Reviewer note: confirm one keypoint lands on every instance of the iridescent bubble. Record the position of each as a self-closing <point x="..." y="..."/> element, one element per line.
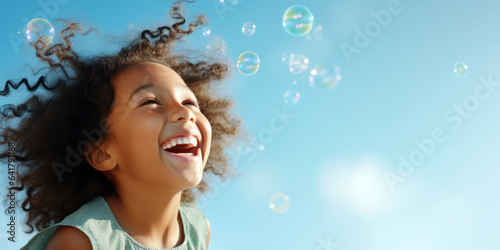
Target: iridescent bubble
<point x="248" y="29"/>
<point x="324" y="76"/>
<point x="206" y="32"/>
<point x="461" y="69"/>
<point x="248" y="63"/>
<point x="230" y="2"/>
<point x="286" y="56"/>
<point x="279" y="202"/>
<point x="37" y="28"/>
<point x="298" y="20"/>
<point x="298" y="63"/>
<point x="291" y="96"/>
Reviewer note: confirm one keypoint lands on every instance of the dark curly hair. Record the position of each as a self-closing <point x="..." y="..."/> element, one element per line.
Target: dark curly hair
<point x="79" y="100"/>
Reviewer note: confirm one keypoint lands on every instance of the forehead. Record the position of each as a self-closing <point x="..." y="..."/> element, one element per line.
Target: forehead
<point x="147" y="73"/>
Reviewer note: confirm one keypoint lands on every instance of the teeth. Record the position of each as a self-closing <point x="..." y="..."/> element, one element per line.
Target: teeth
<point x="182" y="140"/>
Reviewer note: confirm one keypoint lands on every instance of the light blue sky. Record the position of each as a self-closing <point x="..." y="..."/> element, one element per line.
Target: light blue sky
<point x="332" y="155"/>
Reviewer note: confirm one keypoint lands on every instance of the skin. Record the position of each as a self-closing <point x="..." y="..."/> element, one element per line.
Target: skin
<point x="148" y="182"/>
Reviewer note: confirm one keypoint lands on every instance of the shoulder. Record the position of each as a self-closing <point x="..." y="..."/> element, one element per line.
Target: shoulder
<point x="68" y="237"/>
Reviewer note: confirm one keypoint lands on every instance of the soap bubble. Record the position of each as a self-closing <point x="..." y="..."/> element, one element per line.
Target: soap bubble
<point x="279" y="202"/>
<point x="298" y="20"/>
<point x="317" y="33"/>
<point x="298" y="63"/>
<point x="461" y="69"/>
<point x="248" y="29"/>
<point x="286" y="56"/>
<point x="324" y="76"/>
<point x="248" y="63"/>
<point x="262" y="147"/>
<point x="291" y="96"/>
<point x="231" y="2"/>
<point x="37" y="28"/>
<point x="206" y="32"/>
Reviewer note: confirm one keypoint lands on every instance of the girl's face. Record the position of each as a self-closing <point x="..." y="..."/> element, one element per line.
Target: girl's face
<point x="159" y="136"/>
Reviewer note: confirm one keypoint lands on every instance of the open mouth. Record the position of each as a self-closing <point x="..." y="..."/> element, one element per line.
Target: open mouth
<point x="183" y="146"/>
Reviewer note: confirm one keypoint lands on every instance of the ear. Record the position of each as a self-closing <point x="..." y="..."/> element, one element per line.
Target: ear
<point x="99" y="158"/>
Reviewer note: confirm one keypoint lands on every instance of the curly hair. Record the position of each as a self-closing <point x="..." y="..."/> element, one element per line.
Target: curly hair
<point x="80" y="99"/>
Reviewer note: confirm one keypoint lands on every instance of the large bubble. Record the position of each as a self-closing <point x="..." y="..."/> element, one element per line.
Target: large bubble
<point x="324" y="76"/>
<point x="37" y="28"/>
<point x="248" y="29"/>
<point x="248" y="63"/>
<point x="461" y="69"/>
<point x="298" y="20"/>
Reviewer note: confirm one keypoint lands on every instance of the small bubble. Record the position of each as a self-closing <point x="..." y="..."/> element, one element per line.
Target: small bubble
<point x="298" y="63"/>
<point x="232" y="3"/>
<point x="291" y="97"/>
<point x="298" y="20"/>
<point x="324" y="76"/>
<point x="461" y="69"/>
<point x="286" y="56"/>
<point x="248" y="63"/>
<point x="262" y="147"/>
<point x="295" y="82"/>
<point x="279" y="202"/>
<point x="37" y="28"/>
<point x="248" y="29"/>
<point x="206" y="32"/>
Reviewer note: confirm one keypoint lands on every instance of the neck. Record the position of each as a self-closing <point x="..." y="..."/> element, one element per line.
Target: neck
<point x="150" y="218"/>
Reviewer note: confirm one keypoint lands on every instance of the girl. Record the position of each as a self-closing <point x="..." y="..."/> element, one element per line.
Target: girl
<point x="116" y="155"/>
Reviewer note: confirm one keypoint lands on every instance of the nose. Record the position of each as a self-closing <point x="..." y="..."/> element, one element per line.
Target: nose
<point x="182" y="113"/>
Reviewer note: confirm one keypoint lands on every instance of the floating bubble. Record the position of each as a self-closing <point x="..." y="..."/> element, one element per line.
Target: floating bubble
<point x="324" y="76"/>
<point x="298" y="63"/>
<point x="248" y="29"/>
<point x="231" y="2"/>
<point x="206" y="32"/>
<point x="295" y="82"/>
<point x="317" y="33"/>
<point x="298" y="20"/>
<point x="248" y="63"/>
<point x="461" y="69"/>
<point x="279" y="202"/>
<point x="262" y="147"/>
<point x="291" y="96"/>
<point x="37" y="28"/>
<point x="286" y="56"/>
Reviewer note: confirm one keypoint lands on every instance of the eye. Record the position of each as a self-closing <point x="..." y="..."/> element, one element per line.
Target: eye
<point x="150" y="101"/>
<point x="190" y="102"/>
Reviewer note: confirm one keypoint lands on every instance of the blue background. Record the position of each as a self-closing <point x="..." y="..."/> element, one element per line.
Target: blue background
<point x="333" y="157"/>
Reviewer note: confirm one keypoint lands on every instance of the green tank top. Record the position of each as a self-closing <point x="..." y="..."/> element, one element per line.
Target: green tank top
<point x="96" y="220"/>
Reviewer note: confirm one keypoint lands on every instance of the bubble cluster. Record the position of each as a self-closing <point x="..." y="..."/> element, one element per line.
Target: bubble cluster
<point x="298" y="20"/>
<point x="291" y="97"/>
<point x="206" y="32"/>
<point x="248" y="63"/>
<point x="298" y="63"/>
<point x="324" y="76"/>
<point x="461" y="69"/>
<point x="37" y="28"/>
<point x="279" y="202"/>
<point x="248" y="29"/>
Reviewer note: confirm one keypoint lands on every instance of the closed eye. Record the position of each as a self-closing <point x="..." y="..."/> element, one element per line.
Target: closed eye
<point x="150" y="101"/>
<point x="190" y="102"/>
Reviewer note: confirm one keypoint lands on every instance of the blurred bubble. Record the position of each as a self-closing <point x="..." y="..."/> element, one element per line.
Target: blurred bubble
<point x="262" y="147"/>
<point x="317" y="33"/>
<point x="298" y="20"/>
<point x="286" y="56"/>
<point x="206" y="32"/>
<point x="461" y="69"/>
<point x="37" y="28"/>
<point x="324" y="76"/>
<point x="231" y="2"/>
<point x="295" y="82"/>
<point x="248" y="63"/>
<point x="248" y="29"/>
<point x="298" y="63"/>
<point x="279" y="202"/>
<point x="21" y="31"/>
<point x="291" y="96"/>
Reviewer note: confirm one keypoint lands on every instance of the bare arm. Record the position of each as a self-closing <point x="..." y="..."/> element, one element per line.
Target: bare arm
<point x="208" y="240"/>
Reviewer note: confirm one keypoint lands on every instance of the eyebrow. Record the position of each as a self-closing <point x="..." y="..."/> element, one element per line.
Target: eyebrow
<point x="141" y="88"/>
